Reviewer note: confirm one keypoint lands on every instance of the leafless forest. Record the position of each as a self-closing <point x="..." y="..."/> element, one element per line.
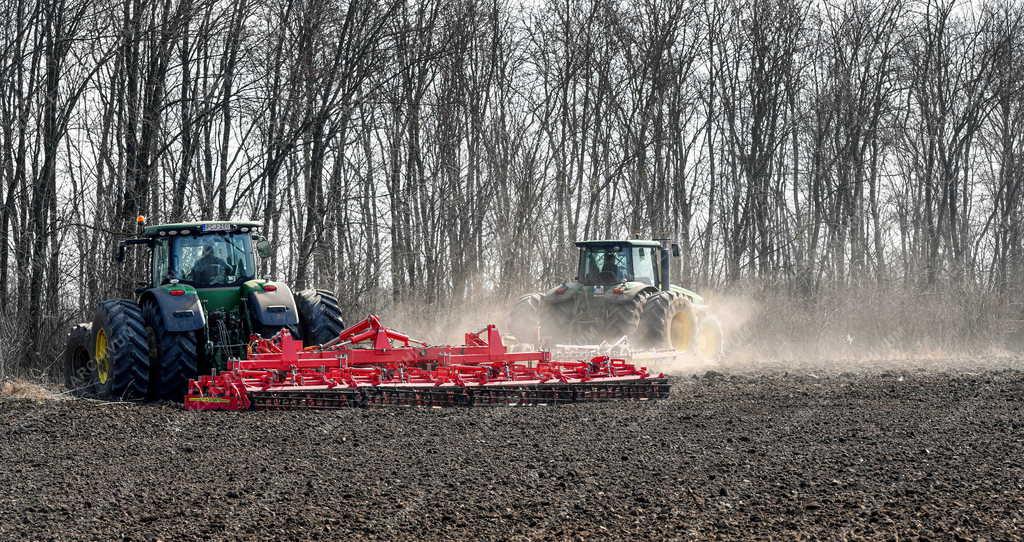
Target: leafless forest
<point x="430" y="153"/>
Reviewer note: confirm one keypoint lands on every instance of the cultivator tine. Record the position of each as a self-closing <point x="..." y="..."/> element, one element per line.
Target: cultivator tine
<point x="522" y="395"/>
<point x="306" y="400"/>
<point x="370" y="365"/>
<point x="418" y="396"/>
<point x="533" y="395"/>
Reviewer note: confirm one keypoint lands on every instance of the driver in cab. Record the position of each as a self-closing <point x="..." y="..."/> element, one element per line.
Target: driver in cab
<point x="209" y="266"/>
<point x="610" y="270"/>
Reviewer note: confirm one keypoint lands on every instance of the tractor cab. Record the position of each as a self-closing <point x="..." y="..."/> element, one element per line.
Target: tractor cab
<point x="604" y="263"/>
<point x="202" y="255"/>
<point x="209" y="260"/>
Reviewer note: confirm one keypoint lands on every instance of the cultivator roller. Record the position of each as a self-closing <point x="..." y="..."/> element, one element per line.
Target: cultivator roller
<point x="369" y="364"/>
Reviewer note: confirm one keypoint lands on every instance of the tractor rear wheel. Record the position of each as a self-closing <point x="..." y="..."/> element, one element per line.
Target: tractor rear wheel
<point x="78" y="368"/>
<point x="670" y="321"/>
<point x="174" y="356"/>
<point x="525" y="319"/>
<point x="120" y="351"/>
<point x="624" y="318"/>
<point x="319" y="316"/>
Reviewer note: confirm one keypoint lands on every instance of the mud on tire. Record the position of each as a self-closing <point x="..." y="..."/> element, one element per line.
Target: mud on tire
<point x="120" y="351"/>
<point x="174" y="356"/>
<point x="319" y="316"/>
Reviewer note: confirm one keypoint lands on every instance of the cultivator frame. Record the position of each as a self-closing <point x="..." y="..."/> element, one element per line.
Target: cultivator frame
<point x="369" y="364"/>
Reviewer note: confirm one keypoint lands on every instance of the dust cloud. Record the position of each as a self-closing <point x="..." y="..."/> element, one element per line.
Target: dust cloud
<point x="438" y="323"/>
<point x="833" y="332"/>
<point x="854" y="330"/>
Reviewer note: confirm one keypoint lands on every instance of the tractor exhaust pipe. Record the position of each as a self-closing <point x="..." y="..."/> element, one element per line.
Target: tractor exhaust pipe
<point x="666" y="264"/>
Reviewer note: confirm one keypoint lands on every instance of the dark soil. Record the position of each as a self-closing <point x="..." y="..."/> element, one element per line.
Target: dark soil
<point x="920" y="454"/>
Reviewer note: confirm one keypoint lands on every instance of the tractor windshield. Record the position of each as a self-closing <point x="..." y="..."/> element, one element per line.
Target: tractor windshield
<point x="605" y="265"/>
<point x="213" y="259"/>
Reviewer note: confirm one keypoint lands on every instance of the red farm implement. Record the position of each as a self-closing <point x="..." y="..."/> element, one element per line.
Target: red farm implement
<point x="369" y="364"/>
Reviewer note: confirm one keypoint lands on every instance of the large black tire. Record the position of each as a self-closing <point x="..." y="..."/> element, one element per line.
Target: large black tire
<point x="669" y="321"/>
<point x="525" y="318"/>
<point x="79" y="370"/>
<point x="319" y="316"/>
<point x="119" y="351"/>
<point x="174" y="356"/>
<point x="624" y="318"/>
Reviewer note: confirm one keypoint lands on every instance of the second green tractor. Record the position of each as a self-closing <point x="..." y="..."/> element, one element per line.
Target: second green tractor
<point x="622" y="289"/>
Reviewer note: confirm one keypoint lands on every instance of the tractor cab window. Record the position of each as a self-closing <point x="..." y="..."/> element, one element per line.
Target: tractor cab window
<point x="605" y="265"/>
<point x="644" y="265"/>
<point x="159" y="266"/>
<point x="221" y="259"/>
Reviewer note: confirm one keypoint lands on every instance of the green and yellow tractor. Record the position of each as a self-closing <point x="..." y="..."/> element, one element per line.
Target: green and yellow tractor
<point x="622" y="289"/>
<point x="200" y="305"/>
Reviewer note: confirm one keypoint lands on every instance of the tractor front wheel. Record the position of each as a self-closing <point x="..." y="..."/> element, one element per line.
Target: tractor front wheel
<point x="319" y="316"/>
<point x="78" y="368"/>
<point x="120" y="352"/>
<point x="173" y="355"/>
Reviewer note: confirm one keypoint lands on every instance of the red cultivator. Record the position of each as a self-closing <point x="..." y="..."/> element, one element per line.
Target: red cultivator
<point x="369" y="364"/>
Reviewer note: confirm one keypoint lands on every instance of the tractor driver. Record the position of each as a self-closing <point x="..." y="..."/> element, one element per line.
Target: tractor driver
<point x="209" y="266"/>
<point x="610" y="271"/>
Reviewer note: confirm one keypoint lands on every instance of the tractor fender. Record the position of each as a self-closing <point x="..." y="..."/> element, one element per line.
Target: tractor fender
<point x="272" y="308"/>
<point x="632" y="290"/>
<point x="567" y="291"/>
<point x="180" y="313"/>
<point x="694" y="297"/>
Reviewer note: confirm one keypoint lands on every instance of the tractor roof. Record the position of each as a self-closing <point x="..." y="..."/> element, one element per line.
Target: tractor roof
<point x="624" y="242"/>
<point x="198" y="228"/>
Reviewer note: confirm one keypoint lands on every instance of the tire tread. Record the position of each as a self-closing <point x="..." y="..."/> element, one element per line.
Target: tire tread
<point x="127" y="348"/>
<point x="319" y="316"/>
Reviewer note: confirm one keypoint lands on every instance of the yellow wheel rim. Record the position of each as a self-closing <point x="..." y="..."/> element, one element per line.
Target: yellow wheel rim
<point x="102" y="358"/>
<point x="709" y="340"/>
<point x="681" y="331"/>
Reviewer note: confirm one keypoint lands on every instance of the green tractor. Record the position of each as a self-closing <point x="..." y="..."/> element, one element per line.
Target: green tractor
<point x="622" y="289"/>
<point x="199" y="307"/>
